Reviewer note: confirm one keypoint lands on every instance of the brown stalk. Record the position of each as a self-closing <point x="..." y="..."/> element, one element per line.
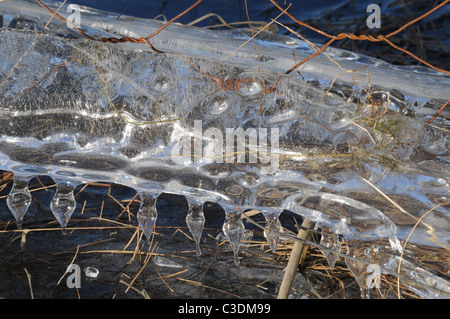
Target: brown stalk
<point x="124" y="39"/>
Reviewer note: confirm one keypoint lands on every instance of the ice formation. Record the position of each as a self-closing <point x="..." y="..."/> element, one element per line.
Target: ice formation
<point x="216" y="123"/>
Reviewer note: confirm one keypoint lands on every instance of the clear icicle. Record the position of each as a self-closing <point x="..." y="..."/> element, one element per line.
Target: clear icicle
<point x="147" y="214"/>
<point x="358" y="269"/>
<point x="233" y="228"/>
<point x="195" y="220"/>
<point x="331" y="241"/>
<point x="19" y="199"/>
<point x="63" y="203"/>
<point x="271" y="231"/>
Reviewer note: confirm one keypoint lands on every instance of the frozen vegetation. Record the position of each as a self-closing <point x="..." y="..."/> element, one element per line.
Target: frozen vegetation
<point x="220" y="124"/>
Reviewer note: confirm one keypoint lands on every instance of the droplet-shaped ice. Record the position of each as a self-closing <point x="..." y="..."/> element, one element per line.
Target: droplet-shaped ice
<point x="358" y="269"/>
<point x="249" y="86"/>
<point x="161" y="83"/>
<point x="19" y="199"/>
<point x="195" y="220"/>
<point x="272" y="230"/>
<point x="233" y="228"/>
<point x="63" y="203"/>
<point x="147" y="214"/>
<point x="219" y="104"/>
<point x="331" y="241"/>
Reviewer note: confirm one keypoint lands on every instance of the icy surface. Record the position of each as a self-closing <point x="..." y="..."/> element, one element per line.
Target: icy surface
<point x="83" y="111"/>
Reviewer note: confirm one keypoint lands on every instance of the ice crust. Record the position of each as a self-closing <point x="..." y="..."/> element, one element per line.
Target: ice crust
<point x="85" y="111"/>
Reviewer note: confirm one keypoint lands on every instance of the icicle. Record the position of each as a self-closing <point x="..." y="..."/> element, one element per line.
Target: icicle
<point x="331" y="241"/>
<point x="420" y="104"/>
<point x="359" y="271"/>
<point x="19" y="198"/>
<point x="324" y="84"/>
<point x="272" y="229"/>
<point x="233" y="228"/>
<point x="410" y="101"/>
<point x="195" y="220"/>
<point x="63" y="203"/>
<point x="147" y="214"/>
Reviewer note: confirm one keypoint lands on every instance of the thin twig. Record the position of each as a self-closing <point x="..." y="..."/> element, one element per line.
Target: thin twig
<point x="439" y="112"/>
<point x="362" y="37"/>
<point x="146" y="260"/>
<point x="407" y="239"/>
<point x="71" y="263"/>
<point x="123" y="39"/>
<point x="29" y="283"/>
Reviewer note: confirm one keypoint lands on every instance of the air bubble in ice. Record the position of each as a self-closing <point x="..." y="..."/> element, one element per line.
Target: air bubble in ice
<point x="161" y="83"/>
<point x="250" y="86"/>
<point x="219" y="104"/>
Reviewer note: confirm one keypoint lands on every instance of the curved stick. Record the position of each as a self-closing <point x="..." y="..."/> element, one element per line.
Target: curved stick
<point x="124" y="39"/>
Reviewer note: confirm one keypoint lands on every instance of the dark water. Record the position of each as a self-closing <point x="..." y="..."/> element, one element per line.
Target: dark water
<point x="230" y="10"/>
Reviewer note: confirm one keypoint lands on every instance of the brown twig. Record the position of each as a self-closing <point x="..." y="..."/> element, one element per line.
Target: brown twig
<point x="124" y="39"/>
<point x="362" y="37"/>
<point x="439" y="112"/>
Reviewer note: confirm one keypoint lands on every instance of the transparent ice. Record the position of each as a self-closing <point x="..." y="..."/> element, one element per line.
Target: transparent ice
<point x="272" y="231"/>
<point x="233" y="228"/>
<point x="19" y="199"/>
<point x="147" y="214"/>
<point x="83" y="111"/>
<point x="91" y="272"/>
<point x="63" y="203"/>
<point x="330" y="242"/>
<point x="195" y="220"/>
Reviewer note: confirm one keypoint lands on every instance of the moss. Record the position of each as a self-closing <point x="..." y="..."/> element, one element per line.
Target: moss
<point x="388" y="163"/>
<point x="388" y="125"/>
